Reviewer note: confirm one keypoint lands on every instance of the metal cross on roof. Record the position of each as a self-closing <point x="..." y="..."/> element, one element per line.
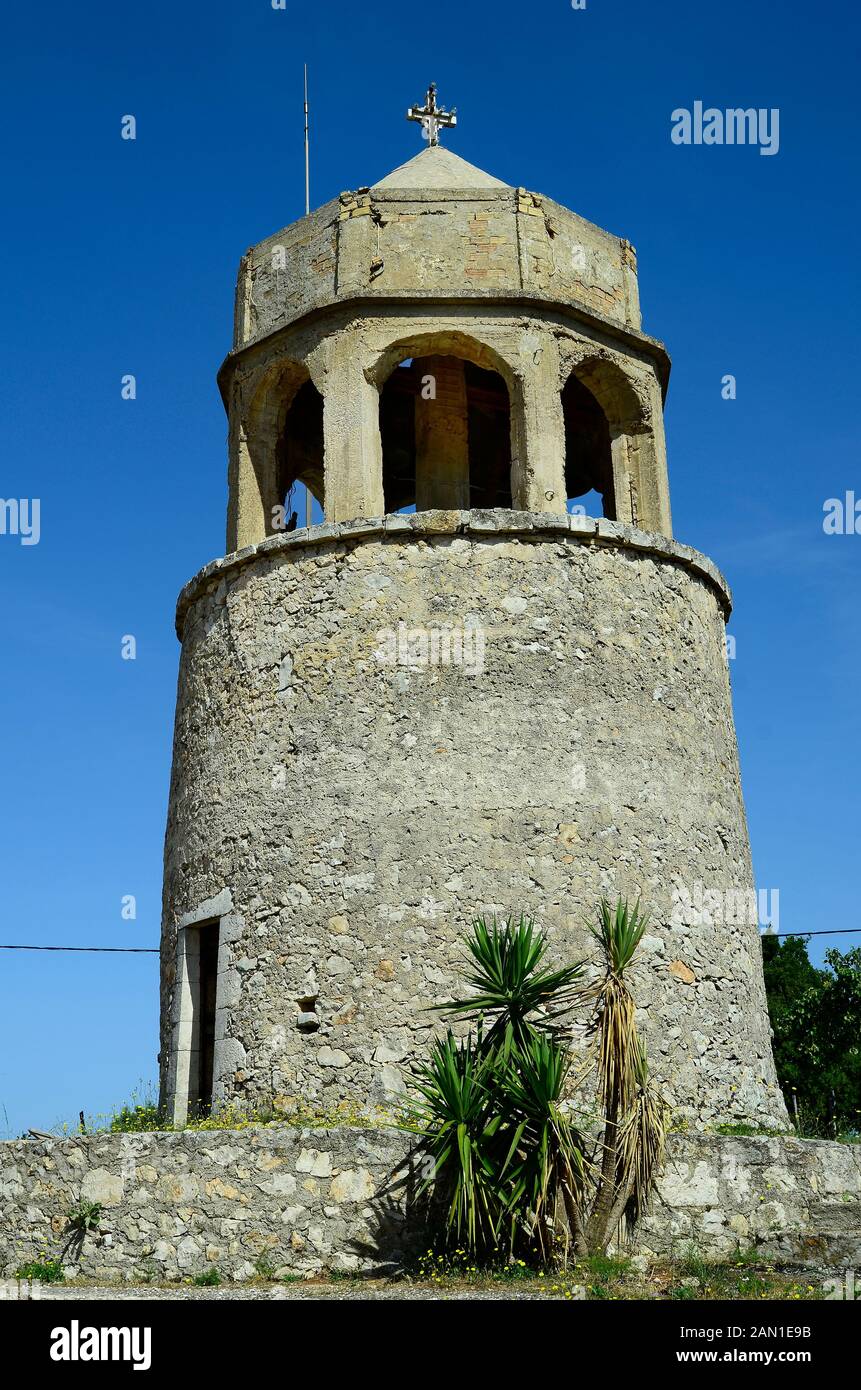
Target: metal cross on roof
<point x="432" y="117"/>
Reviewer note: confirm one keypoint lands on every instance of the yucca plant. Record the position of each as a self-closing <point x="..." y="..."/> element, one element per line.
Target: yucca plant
<point x="510" y="987"/>
<point x="461" y="1124"/>
<point x="642" y="1139"/>
<point x="546" y="1164"/>
<point x="618" y="932"/>
<point x="507" y="1161"/>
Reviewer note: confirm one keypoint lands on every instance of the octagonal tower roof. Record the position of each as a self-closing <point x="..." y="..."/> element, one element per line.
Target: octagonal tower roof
<point x="437" y="167"/>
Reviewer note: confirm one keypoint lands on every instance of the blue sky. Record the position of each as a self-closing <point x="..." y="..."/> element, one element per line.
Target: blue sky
<point x="120" y="257"/>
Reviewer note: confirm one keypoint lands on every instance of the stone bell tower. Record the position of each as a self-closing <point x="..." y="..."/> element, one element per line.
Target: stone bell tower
<point x="488" y="680"/>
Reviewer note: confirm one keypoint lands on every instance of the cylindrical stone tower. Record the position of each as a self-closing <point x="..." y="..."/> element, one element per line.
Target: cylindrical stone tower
<point x="488" y="682"/>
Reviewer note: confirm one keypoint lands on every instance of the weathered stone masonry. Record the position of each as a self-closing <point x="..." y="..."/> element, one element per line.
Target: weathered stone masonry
<point x="359" y="814"/>
<point x="282" y="1200"/>
<point x="338" y="816"/>
<point x="440" y="258"/>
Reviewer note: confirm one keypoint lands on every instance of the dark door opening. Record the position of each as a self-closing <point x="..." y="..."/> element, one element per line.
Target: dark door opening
<point x="207" y="996"/>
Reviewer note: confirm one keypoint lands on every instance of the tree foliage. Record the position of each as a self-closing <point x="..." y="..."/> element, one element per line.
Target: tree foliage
<point x="816" y="1018"/>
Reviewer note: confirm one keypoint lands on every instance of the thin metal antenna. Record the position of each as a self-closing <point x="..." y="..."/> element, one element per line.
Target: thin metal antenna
<point x="308" y="498"/>
<point x="307" y="160"/>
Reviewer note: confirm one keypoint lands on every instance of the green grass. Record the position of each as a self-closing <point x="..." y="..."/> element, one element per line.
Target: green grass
<point x="751" y="1132"/>
<point x="690" y="1277"/>
<point x="601" y="1274"/>
<point x="143" y="1116"/>
<point x="744" y="1276"/>
<point x="456" y="1266"/>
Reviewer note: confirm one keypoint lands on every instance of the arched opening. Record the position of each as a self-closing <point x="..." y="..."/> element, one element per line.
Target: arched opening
<point x="299" y="458"/>
<point x="445" y="426"/>
<point x="588" y="452"/>
<point x="609" y="444"/>
<point x="277" y="444"/>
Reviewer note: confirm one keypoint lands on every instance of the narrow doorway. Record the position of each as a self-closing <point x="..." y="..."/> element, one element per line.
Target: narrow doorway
<point x="204" y="1003"/>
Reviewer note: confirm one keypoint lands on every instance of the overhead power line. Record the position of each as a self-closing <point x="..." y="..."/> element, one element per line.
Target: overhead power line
<point x="154" y="950"/>
<point x="841" y="931"/>
<point x="112" y="950"/>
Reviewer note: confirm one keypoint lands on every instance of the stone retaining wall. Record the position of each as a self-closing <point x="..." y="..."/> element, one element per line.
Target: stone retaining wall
<point x="278" y="1200"/>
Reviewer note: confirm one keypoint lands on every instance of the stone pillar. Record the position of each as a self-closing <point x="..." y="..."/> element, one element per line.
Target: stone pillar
<point x="631" y="284"/>
<point x="242" y="329"/>
<point x="538" y="429"/>
<point x="626" y="493"/>
<point x="653" y="482"/>
<point x="442" y="438"/>
<point x="246" y="512"/>
<point x="357" y="243"/>
<point x="353" y="454"/>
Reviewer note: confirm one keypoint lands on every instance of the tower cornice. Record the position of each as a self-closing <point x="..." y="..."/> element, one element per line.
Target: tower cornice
<point x="476" y="525"/>
<point x="520" y="301"/>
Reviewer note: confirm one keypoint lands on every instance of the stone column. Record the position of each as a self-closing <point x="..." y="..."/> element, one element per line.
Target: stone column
<point x="246" y="512"/>
<point x="653" y="482"/>
<point x="353" y="455"/>
<point x="626" y="492"/>
<point x="538" y="429"/>
<point x="631" y="284"/>
<point x="357" y="243"/>
<point x="442" y="437"/>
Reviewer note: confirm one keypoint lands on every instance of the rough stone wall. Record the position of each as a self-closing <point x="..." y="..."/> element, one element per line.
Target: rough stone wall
<point x="795" y="1201"/>
<point x="361" y="811"/>
<point x="288" y="274"/>
<point x="451" y="242"/>
<point x="280" y="1200"/>
<point x="178" y="1203"/>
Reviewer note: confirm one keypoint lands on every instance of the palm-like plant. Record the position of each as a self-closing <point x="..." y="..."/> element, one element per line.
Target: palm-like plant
<point x="618" y="932"/>
<point x="548" y="1166"/>
<point x="642" y="1139"/>
<point x="502" y="1152"/>
<point x="462" y="1128"/>
<point x="510" y="987"/>
<point x="506" y="1159"/>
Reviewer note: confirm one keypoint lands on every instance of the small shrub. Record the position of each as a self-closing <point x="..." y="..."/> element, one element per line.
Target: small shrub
<point x="139" y="1119"/>
<point x="209" y="1279"/>
<point x="46" y="1271"/>
<point x="143" y="1115"/>
<point x="84" y="1217"/>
